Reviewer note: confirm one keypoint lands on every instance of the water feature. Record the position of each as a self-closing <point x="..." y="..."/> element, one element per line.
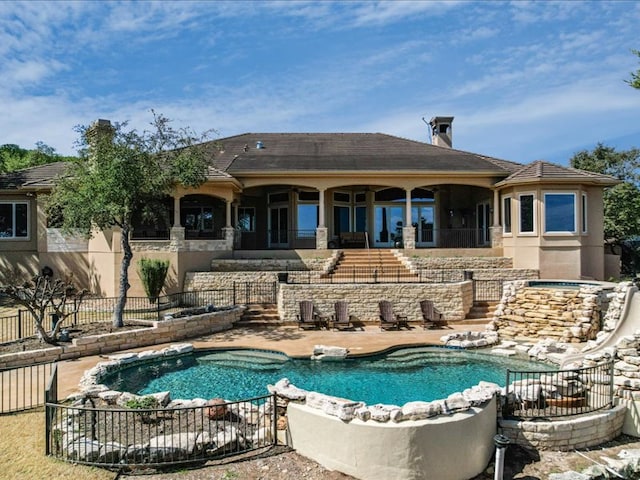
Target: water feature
<point x="425" y="373"/>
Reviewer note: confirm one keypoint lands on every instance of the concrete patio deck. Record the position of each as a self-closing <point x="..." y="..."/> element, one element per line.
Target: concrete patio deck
<point x="287" y="339"/>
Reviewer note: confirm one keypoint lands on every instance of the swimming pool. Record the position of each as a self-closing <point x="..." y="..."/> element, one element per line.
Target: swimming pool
<point x="397" y="377"/>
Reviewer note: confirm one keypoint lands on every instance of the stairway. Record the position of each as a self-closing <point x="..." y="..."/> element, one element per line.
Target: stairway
<point x="260" y="315"/>
<point x="362" y="265"/>
<point x="481" y="312"/>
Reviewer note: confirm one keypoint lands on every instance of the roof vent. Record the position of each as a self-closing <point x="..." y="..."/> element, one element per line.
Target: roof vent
<point x="259" y="145"/>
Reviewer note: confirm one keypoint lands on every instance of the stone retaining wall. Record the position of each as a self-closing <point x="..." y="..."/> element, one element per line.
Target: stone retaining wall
<point x="564" y="315"/>
<point x="267" y="264"/>
<point x="463" y="263"/>
<point x="195" y="281"/>
<point x="158" y="332"/>
<point x="454" y="300"/>
<point x="569" y="434"/>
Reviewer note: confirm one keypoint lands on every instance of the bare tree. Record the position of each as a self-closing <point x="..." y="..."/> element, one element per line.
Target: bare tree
<point x="42" y="296"/>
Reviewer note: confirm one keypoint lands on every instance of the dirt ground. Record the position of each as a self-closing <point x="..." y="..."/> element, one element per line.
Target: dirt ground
<point x="281" y="463"/>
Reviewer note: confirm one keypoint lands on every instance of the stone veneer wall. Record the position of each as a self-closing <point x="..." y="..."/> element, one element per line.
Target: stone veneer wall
<point x="159" y="332"/>
<point x="454" y="300"/>
<point x="195" y="281"/>
<point x="464" y="263"/>
<point x="578" y="432"/>
<point x="563" y="315"/>
<point x="267" y="264"/>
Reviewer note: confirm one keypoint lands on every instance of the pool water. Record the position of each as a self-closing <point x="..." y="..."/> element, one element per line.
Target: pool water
<point x="426" y="373"/>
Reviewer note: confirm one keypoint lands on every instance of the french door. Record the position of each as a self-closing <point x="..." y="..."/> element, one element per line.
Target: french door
<point x="279" y="227"/>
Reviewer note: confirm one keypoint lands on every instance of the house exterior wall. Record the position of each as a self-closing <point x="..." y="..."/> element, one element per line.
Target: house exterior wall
<point x="557" y="255"/>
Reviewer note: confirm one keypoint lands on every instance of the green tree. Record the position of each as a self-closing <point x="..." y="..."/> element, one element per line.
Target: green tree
<point x="123" y="172"/>
<point x="621" y="202"/>
<point x="13" y="157"/>
<point x="635" y="76"/>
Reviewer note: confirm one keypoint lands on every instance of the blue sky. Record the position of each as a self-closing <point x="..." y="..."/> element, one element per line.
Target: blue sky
<point x="524" y="80"/>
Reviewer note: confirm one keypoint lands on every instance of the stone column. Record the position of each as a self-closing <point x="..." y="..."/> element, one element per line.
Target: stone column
<point x="409" y="237"/>
<point x="496" y="236"/>
<point x="229" y="235"/>
<point x="321" y="238"/>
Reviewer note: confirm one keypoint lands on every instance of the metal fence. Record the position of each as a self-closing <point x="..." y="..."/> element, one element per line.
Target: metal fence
<point x="23" y="388"/>
<point x="156" y="437"/>
<point x="379" y="274"/>
<point x="561" y="393"/>
<point x="487" y="290"/>
<point x="99" y="309"/>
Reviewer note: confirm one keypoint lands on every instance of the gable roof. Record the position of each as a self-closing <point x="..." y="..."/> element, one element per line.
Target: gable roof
<point x="348" y="152"/>
<point x="540" y="170"/>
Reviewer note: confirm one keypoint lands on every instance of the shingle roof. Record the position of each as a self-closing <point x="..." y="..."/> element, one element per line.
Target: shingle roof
<point x="345" y="152"/>
<point x="541" y="170"/>
<point x="40" y="176"/>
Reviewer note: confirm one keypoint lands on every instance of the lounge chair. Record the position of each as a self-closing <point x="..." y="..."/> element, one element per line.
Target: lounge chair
<point x="341" y="320"/>
<point x="309" y="317"/>
<point x="388" y="319"/>
<point x="431" y="317"/>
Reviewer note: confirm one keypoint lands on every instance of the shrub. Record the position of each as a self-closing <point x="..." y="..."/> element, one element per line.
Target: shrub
<point x="153" y="274"/>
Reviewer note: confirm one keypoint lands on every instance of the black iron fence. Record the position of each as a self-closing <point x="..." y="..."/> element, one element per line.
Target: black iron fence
<point x="377" y="274"/>
<point x="561" y="393"/>
<point x="155" y="437"/>
<point x="487" y="290"/>
<point x="99" y="309"/>
<point x="23" y="388"/>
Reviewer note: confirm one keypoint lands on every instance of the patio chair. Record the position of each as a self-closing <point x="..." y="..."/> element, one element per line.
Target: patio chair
<point x="388" y="319"/>
<point x="341" y="320"/>
<point x="309" y="317"/>
<point x="431" y="317"/>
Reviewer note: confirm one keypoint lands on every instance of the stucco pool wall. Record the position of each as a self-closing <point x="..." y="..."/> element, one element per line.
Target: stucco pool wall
<point x="453" y="447"/>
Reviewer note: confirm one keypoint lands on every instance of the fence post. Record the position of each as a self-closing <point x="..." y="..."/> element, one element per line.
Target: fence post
<point x="19" y="324"/>
<point x="158" y="308"/>
<point x="235" y="302"/>
<point x="274" y="426"/>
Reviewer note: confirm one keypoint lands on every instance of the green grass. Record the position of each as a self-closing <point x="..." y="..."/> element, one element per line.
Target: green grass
<point x="22" y="452"/>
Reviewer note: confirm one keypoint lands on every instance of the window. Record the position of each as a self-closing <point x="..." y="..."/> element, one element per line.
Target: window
<point x="506" y="214"/>
<point x="278" y="197"/>
<point x="526" y="214"/>
<point x="559" y="212"/>
<point x="341" y="197"/>
<point x="308" y="216"/>
<point x="584" y="213"/>
<point x="14" y="220"/>
<point x="247" y="219"/>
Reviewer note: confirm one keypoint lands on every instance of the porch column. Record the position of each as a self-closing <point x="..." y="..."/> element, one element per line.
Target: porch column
<point x="176" y="235"/>
<point x="176" y="210"/>
<point x="228" y="213"/>
<point x="408" y="231"/>
<point x="235" y="214"/>
<point x="321" y="230"/>
<point x="496" y="229"/>
<point x="321" y="208"/>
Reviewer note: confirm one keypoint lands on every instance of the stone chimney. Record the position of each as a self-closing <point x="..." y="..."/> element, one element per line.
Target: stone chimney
<point x="100" y="129"/>
<point x="98" y="135"/>
<point x="441" y="131"/>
